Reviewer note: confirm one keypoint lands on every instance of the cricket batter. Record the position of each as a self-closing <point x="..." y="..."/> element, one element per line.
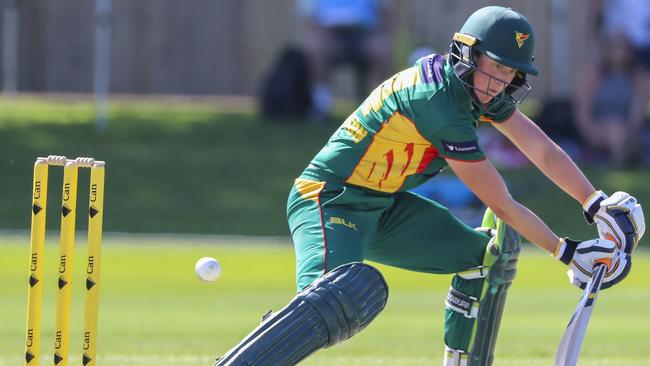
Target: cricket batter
<point x="351" y="203"/>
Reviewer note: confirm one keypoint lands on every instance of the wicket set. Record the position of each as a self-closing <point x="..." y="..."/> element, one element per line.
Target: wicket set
<point x="37" y="252"/>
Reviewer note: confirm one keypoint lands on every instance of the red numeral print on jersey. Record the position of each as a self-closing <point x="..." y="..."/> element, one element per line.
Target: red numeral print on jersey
<point x="408" y="149"/>
<point x="397" y="151"/>
<point x="389" y="165"/>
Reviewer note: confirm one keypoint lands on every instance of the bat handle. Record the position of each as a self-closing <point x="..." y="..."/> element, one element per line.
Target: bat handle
<point x="607" y="262"/>
<point x="599" y="271"/>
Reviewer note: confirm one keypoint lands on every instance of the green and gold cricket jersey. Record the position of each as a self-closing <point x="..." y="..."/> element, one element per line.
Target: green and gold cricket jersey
<point x="403" y="132"/>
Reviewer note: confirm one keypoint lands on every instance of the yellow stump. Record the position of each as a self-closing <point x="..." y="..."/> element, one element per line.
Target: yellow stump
<point x="63" y="299"/>
<point x="95" y="217"/>
<point x="37" y="246"/>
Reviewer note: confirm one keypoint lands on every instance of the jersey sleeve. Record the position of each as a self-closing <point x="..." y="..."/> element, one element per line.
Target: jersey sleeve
<point x="458" y="142"/>
<point x="499" y="111"/>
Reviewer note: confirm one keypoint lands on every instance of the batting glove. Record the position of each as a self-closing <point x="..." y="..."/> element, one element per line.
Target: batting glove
<point x="619" y="218"/>
<point x="582" y="256"/>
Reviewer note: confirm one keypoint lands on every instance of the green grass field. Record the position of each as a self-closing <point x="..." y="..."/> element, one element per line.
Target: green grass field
<point x="154" y="311"/>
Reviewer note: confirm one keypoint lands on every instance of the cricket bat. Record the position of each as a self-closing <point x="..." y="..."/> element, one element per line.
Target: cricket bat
<point x="569" y="349"/>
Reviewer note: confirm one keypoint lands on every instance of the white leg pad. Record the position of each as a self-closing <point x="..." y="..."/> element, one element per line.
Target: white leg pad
<point x="454" y="357"/>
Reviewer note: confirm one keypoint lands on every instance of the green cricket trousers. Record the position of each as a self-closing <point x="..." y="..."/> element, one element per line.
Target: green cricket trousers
<point x="333" y="224"/>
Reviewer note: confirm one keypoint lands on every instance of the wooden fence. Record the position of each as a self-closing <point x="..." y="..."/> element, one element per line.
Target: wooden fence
<point x="203" y="47"/>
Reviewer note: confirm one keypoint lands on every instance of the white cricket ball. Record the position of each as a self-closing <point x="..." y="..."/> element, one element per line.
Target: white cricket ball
<point x="208" y="269"/>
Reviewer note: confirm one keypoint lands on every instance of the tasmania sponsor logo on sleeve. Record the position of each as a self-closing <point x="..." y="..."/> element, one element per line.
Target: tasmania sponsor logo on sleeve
<point x="465" y="147"/>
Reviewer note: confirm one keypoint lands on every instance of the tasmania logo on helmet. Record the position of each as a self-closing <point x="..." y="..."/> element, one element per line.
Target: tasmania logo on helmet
<point x="521" y="38"/>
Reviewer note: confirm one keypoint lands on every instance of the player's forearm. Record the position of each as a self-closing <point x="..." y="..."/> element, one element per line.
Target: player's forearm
<point x="528" y="225"/>
<point x="488" y="185"/>
<point x="560" y="169"/>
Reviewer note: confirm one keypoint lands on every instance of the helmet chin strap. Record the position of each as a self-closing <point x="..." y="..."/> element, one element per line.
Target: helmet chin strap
<point x="487" y="90"/>
<point x="476" y="102"/>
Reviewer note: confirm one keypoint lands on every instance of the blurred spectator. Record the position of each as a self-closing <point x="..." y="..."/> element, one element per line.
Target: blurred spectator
<point x="346" y="32"/>
<point x="610" y="100"/>
<point x="630" y="17"/>
<point x="557" y="119"/>
<point x="285" y="91"/>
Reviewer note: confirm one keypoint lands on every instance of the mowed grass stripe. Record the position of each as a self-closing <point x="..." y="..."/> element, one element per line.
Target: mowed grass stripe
<point x="153" y="308"/>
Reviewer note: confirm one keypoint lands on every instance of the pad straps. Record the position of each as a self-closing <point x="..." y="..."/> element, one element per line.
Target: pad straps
<point x="461" y="303"/>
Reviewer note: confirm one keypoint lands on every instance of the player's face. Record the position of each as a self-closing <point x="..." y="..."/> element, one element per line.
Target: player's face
<point x="491" y="78"/>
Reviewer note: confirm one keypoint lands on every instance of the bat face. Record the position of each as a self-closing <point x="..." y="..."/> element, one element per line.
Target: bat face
<point x="569" y="349"/>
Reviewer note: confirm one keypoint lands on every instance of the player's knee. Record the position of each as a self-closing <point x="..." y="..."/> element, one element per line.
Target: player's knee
<point x="348" y="298"/>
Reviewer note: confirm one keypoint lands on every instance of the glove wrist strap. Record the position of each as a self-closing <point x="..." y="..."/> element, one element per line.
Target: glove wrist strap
<point x="566" y="249"/>
<point x="592" y="204"/>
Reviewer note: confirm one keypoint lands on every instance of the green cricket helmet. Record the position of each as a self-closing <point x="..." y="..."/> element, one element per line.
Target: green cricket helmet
<point x="503" y="35"/>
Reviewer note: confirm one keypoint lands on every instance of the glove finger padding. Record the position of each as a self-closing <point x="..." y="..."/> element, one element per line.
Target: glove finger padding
<point x="582" y="256"/>
<point x="620" y="219"/>
<point x="619" y="269"/>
